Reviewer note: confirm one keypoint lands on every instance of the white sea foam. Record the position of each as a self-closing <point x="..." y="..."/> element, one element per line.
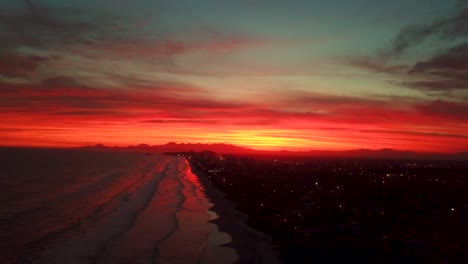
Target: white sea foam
<point x="145" y="209"/>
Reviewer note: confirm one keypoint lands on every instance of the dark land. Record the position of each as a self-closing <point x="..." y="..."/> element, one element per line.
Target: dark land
<point x="172" y="147"/>
<point x="325" y="210"/>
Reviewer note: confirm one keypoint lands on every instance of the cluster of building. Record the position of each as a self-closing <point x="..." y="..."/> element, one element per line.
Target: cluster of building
<point x="341" y="209"/>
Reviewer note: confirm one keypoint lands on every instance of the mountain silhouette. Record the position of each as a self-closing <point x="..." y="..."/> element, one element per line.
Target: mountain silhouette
<point x="223" y="148"/>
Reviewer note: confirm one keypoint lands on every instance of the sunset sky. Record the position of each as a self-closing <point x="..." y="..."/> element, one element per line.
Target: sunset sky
<point x="295" y="75"/>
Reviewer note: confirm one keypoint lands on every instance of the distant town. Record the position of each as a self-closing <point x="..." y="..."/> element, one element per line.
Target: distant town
<point x="334" y="209"/>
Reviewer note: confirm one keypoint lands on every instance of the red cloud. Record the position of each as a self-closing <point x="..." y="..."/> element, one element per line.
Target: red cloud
<point x="165" y="113"/>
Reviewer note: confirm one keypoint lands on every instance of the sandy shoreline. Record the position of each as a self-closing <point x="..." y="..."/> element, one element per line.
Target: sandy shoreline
<point x="121" y="208"/>
<point x="251" y="245"/>
<point x="155" y="210"/>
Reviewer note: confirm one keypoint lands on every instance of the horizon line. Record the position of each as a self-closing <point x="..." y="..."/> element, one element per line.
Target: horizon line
<point x="228" y="144"/>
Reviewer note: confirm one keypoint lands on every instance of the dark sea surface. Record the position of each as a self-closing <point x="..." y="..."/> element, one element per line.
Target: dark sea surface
<point x="84" y="206"/>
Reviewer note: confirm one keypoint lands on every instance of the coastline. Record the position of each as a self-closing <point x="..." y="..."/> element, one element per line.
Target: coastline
<point x="251" y="245"/>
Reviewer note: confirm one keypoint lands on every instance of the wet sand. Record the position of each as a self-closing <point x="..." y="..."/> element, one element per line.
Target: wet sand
<point x="106" y="207"/>
<point x="175" y="227"/>
<point x="252" y="246"/>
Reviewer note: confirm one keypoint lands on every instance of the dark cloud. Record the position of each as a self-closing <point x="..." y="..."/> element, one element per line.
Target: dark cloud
<point x="442" y="86"/>
<point x="445" y="72"/>
<point x="98" y="36"/>
<point x="414" y="133"/>
<point x="91" y="113"/>
<point x="446" y="109"/>
<point x="42" y="28"/>
<point x="462" y="3"/>
<point x="448" y="29"/>
<point x="45" y="27"/>
<point x="257" y="122"/>
<point x="410" y="36"/>
<point x="176" y="121"/>
<point x="14" y="65"/>
<point x="347" y="109"/>
<point x="61" y="81"/>
<point x="300" y="99"/>
<point x="374" y="66"/>
<point x="440" y="74"/>
<point x="454" y="59"/>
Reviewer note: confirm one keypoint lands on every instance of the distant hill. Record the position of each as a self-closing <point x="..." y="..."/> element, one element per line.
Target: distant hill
<point x="217" y="147"/>
<point x="232" y="149"/>
<point x="182" y="147"/>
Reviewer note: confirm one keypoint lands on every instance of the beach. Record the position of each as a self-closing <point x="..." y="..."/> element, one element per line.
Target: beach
<point x="252" y="245"/>
<point x="111" y="208"/>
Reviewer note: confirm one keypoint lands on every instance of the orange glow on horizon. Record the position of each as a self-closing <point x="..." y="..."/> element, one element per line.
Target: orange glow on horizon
<point x="257" y="139"/>
<point x="131" y="119"/>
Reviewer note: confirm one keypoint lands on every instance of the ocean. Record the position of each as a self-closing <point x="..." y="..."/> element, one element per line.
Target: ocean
<point x="87" y="206"/>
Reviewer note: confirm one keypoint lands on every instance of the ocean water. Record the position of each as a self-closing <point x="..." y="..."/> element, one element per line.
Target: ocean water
<point x="82" y="206"/>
